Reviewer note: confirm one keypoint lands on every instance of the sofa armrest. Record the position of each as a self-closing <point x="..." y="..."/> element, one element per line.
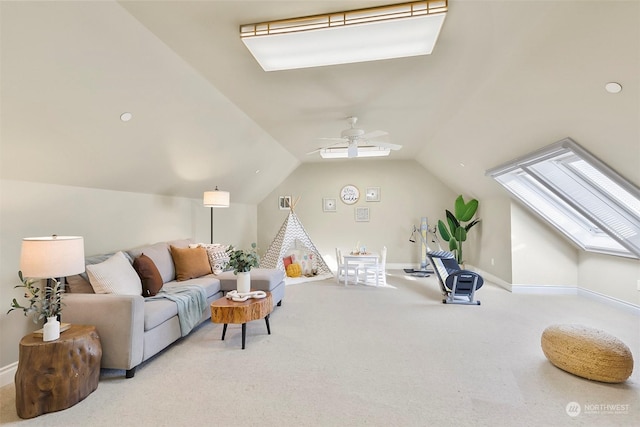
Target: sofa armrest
<point x="119" y="320"/>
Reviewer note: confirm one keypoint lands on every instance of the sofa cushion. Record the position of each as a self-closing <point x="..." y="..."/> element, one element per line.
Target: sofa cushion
<point x="114" y="276"/>
<point x="209" y="282"/>
<point x="149" y="275"/>
<point x="161" y="257"/>
<point x="190" y="262"/>
<point x="158" y="311"/>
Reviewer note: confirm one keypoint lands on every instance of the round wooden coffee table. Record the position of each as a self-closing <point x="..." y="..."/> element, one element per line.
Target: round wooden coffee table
<point x="227" y="311"/>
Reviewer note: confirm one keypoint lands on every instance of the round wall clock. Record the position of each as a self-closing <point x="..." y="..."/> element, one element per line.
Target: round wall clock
<point x="349" y="194"/>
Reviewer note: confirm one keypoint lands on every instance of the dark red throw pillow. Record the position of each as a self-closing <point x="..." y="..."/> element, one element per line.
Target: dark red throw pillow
<point x="149" y="275"/>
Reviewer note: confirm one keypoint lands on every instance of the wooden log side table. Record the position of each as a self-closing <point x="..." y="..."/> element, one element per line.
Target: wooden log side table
<point x="55" y="375"/>
<point x="227" y="311"/>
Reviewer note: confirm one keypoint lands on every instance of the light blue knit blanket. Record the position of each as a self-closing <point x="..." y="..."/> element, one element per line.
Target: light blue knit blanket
<point x="191" y="301"/>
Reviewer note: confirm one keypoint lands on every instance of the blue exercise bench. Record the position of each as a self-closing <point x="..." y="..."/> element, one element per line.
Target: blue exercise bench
<point x="458" y="286"/>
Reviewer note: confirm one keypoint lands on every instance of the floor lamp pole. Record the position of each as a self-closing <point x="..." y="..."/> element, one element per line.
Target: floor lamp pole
<point x="211" y="225"/>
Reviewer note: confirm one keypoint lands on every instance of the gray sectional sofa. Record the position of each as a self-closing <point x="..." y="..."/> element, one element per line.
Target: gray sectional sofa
<point x="133" y="328"/>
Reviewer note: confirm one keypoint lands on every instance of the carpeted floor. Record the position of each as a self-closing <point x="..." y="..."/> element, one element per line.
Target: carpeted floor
<point x="354" y="356"/>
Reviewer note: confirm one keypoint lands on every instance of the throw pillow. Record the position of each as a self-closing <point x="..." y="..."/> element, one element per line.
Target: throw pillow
<point x="149" y="275"/>
<point x="114" y="276"/>
<point x="217" y="253"/>
<point x="161" y="257"/>
<point x="190" y="262"/>
<point x="294" y="270"/>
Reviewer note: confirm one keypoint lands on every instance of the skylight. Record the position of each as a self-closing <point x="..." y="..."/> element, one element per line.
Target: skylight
<point x="583" y="198"/>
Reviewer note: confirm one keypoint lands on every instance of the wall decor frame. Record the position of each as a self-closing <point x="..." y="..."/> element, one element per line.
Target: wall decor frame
<point x="349" y="194"/>
<point x="373" y="194"/>
<point x="362" y="214"/>
<point x="328" y="204"/>
<point x="284" y="202"/>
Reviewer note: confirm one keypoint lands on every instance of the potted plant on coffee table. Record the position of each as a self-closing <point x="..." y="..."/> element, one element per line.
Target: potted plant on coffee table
<point x="241" y="261"/>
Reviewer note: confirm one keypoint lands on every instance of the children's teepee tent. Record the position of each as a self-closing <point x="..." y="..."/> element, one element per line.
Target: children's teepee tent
<point x="292" y="237"/>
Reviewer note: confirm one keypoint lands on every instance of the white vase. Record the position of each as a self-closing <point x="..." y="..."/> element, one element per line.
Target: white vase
<point x="243" y="283"/>
<point x="51" y="329"/>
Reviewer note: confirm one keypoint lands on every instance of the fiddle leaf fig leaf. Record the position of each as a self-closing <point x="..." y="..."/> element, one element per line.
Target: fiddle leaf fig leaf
<point x="444" y="233"/>
<point x="465" y="211"/>
<point x="453" y="222"/>
<point x="461" y="234"/>
<point x="471" y="224"/>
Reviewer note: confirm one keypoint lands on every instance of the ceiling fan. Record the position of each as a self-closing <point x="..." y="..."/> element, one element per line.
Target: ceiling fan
<point x="354" y="142"/>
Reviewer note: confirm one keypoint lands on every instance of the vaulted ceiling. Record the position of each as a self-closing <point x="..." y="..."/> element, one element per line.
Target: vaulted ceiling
<point x="505" y="78"/>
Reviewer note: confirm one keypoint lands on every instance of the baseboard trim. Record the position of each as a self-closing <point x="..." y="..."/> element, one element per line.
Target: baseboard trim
<point x="8" y="373"/>
<point x="572" y="290"/>
<point x="544" y="289"/>
<point x="488" y="277"/>
<point x="632" y="308"/>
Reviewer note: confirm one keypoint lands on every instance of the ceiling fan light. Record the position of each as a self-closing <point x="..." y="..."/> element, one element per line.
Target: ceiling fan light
<point x="386" y="32"/>
<point x="343" y="152"/>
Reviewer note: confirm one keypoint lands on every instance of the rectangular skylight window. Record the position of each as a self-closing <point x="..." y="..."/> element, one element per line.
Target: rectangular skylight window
<point x="587" y="201"/>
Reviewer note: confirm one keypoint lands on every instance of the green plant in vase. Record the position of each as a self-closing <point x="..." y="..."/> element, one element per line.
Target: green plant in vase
<point x="242" y="260"/>
<point x="455" y="230"/>
<point x="41" y="304"/>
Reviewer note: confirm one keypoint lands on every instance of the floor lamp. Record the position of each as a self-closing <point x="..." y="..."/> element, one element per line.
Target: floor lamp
<point x="215" y="199"/>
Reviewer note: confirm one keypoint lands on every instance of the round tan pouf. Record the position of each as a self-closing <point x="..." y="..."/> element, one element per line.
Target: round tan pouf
<point x="587" y="352"/>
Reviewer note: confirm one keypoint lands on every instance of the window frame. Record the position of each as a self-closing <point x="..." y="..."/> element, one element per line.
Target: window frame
<point x="562" y="178"/>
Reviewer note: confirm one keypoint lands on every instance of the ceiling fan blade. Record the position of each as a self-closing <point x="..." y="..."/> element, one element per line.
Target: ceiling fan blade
<point x="334" y="139"/>
<point x="374" y="134"/>
<point x="386" y="145"/>
<point x="340" y="141"/>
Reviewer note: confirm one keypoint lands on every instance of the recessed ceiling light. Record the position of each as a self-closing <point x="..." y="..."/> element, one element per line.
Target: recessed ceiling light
<point x="125" y="117"/>
<point x="613" y="87"/>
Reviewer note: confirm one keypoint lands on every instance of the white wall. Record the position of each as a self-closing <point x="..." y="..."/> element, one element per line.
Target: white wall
<point x="616" y="277"/>
<point x="407" y="193"/>
<point x="493" y="252"/>
<point x="540" y="256"/>
<point x="108" y="221"/>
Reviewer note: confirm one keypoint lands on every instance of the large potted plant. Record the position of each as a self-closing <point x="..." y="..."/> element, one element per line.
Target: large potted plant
<point x="241" y="261"/>
<point x="455" y="231"/>
<point x="45" y="304"/>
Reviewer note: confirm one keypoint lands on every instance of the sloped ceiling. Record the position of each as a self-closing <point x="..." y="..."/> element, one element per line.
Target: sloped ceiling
<point x="505" y="78"/>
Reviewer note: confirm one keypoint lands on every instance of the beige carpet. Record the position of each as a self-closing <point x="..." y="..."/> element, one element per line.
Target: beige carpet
<point x="355" y="356"/>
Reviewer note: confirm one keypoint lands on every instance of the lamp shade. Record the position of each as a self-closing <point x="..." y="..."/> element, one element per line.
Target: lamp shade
<point x="216" y="199"/>
<point x="52" y="256"/>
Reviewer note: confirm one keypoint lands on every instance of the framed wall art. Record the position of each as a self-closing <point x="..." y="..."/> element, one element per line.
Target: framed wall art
<point x="329" y="205"/>
<point x="362" y="214"/>
<point x="373" y="194"/>
<point x="284" y="202"/>
<point x="349" y="194"/>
